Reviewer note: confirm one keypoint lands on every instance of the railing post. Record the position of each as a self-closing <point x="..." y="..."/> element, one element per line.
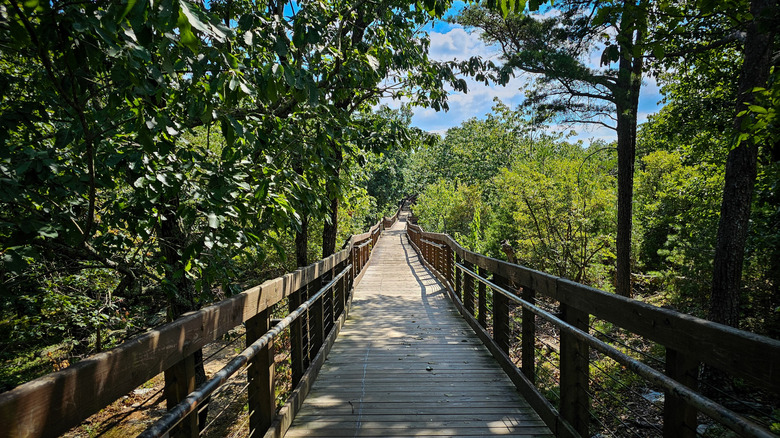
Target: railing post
<point x="353" y="259"/>
<point x="180" y="381"/>
<point x="482" y="301"/>
<point x="679" y="416"/>
<point x="344" y="291"/>
<point x="436" y="255"/>
<point x="501" y="327"/>
<point x="260" y="376"/>
<point x="317" y="318"/>
<point x="330" y="315"/>
<point x="468" y="289"/>
<point x="458" y="285"/>
<point x="450" y="266"/>
<point x="528" y="336"/>
<point x="575" y="405"/>
<point x="296" y="340"/>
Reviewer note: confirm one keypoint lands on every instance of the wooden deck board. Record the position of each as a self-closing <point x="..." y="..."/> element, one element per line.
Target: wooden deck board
<point x="405" y="364"/>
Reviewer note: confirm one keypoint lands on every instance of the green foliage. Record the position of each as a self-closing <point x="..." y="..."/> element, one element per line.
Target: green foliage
<point x="677" y="215"/>
<point x="551" y="201"/>
<point x="558" y="214"/>
<point x="176" y="146"/>
<point x="453" y="208"/>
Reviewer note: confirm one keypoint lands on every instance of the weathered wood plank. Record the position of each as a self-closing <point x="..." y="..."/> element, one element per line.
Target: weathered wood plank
<point x="54" y="403"/>
<point x="406" y="364"/>
<point x="721" y="346"/>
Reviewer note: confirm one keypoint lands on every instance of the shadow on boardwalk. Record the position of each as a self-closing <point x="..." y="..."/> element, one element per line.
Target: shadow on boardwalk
<point x="406" y="364"/>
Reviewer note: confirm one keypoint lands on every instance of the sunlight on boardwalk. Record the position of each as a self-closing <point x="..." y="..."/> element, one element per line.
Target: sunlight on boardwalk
<point x="406" y="364"/>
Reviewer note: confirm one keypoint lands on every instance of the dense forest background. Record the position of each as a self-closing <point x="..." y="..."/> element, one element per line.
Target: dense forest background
<point x="158" y="156"/>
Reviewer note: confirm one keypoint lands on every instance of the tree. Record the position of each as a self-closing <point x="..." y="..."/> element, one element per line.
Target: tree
<point x="555" y="47"/>
<point x="719" y="109"/>
<point x="104" y="105"/>
<point x="741" y="165"/>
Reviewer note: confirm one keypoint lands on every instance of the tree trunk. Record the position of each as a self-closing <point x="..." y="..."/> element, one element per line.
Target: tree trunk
<point x="181" y="292"/>
<point x="626" y="146"/>
<point x="330" y="230"/>
<point x="302" y="243"/>
<point x="629" y="83"/>
<point x="741" y="168"/>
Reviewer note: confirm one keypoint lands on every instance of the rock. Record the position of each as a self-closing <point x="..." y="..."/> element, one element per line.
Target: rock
<point x="654" y="397"/>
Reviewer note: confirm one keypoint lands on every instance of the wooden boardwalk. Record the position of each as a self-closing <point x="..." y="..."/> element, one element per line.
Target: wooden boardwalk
<point x="406" y="364"/>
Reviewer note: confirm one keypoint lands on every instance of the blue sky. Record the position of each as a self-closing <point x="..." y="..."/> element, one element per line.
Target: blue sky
<point x="450" y="41"/>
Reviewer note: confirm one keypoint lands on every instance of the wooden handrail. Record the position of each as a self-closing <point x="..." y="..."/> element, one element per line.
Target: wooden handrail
<point x="688" y="340"/>
<point x="52" y="404"/>
<point x="201" y="394"/>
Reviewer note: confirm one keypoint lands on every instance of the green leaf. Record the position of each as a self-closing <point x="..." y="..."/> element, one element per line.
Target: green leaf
<point x="128" y="8"/>
<point x="192" y="18"/>
<point x="758" y="109"/>
<point x="213" y="220"/>
<point x="658" y="51"/>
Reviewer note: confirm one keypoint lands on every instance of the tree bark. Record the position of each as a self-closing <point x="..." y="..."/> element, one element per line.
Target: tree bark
<point x="302" y="236"/>
<point x="741" y="170"/>
<point x="182" y="294"/>
<point x="330" y="229"/>
<point x="626" y="147"/>
<point x="629" y="83"/>
<point x="302" y="243"/>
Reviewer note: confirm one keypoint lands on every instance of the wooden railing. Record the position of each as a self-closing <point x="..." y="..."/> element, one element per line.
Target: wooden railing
<point x="53" y="404"/>
<point x="508" y="304"/>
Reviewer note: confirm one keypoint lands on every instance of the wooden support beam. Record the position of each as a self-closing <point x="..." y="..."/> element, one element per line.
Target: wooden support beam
<point x="575" y="405"/>
<point x="528" y="337"/>
<point x="468" y="290"/>
<point x="679" y="416"/>
<point x="260" y="373"/>
<point x="179" y="382"/>
<point x="501" y="323"/>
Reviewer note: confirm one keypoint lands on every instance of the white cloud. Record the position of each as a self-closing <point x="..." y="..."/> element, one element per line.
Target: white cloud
<point x="457" y="43"/>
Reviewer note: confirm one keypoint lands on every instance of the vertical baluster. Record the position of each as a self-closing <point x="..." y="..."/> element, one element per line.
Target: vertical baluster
<point x="679" y="416"/>
<point x="330" y="308"/>
<point x="436" y="250"/>
<point x="317" y="317"/>
<point x="482" y="305"/>
<point x="528" y="337"/>
<point x="296" y="340"/>
<point x="458" y="285"/>
<point x="260" y="374"/>
<point x="575" y="370"/>
<point x="451" y="266"/>
<point x="344" y="291"/>
<point x="180" y="381"/>
<point x="353" y="259"/>
<point x="501" y="327"/>
<point x="468" y="289"/>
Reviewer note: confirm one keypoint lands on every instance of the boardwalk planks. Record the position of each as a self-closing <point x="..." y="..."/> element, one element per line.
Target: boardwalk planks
<point x="406" y="364"/>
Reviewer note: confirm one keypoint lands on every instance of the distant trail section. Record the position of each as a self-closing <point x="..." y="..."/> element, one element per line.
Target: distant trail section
<point x="406" y="364"/>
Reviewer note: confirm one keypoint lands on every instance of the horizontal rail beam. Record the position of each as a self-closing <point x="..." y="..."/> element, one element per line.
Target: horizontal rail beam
<point x="52" y="404"/>
<point x="715" y="344"/>
<point x="194" y="399"/>
<point x="725" y="416"/>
